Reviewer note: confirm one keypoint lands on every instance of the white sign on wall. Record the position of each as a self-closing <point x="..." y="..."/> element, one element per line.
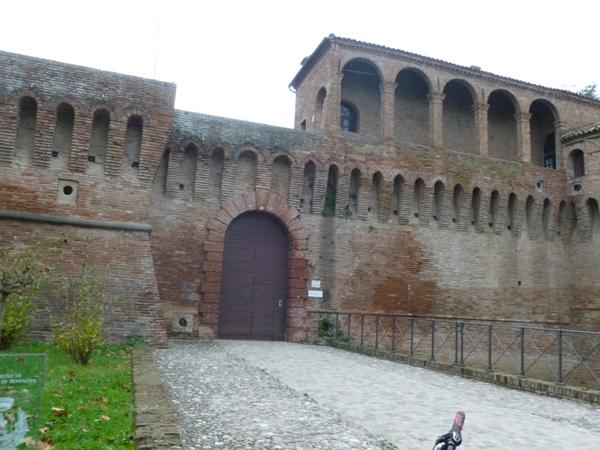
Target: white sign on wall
<point x="315" y="293"/>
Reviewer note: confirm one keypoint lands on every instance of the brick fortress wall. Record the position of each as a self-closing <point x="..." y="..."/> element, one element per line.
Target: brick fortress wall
<point x="82" y="146"/>
<point x="408" y="215"/>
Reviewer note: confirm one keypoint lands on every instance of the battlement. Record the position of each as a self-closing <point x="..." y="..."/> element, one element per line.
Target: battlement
<point x="408" y="185"/>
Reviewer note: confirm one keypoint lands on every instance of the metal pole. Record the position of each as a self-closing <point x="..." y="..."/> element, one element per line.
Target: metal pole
<point x="490" y="346"/>
<point x="394" y="334"/>
<point x="362" y="329"/>
<point x="455" y="342"/>
<point x="349" y="317"/>
<point x="522" y="351"/>
<point x="376" y="332"/>
<point x="412" y="336"/>
<point x="433" y="340"/>
<point x="560" y="358"/>
<point x="462" y="343"/>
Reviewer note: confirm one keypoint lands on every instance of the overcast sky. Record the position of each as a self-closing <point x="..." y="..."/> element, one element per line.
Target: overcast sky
<point x="236" y="58"/>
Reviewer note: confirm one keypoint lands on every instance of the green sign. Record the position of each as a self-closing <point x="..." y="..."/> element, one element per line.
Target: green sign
<point x="21" y="390"/>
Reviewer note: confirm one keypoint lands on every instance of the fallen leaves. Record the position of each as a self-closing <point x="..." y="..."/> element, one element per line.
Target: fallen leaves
<point x="59" y="411"/>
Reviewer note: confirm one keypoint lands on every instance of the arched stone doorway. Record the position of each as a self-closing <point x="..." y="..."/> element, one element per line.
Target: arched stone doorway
<point x="255" y="278"/>
<point x="268" y="203"/>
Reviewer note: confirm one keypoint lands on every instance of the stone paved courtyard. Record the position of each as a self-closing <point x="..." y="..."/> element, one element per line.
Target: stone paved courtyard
<point x="277" y="395"/>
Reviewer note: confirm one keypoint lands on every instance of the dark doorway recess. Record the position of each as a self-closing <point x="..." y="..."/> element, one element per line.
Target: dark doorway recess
<point x="255" y="276"/>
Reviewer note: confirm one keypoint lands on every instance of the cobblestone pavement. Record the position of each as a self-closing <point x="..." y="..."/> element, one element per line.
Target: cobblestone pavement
<point x="224" y="402"/>
<point x="318" y="397"/>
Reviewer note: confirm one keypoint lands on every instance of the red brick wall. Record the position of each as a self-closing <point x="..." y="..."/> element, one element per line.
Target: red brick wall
<point x="367" y="260"/>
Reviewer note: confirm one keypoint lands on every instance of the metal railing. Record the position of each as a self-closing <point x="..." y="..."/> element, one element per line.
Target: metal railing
<point x="558" y="355"/>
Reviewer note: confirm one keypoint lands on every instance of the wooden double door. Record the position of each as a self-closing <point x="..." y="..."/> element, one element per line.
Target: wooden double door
<point x="255" y="277"/>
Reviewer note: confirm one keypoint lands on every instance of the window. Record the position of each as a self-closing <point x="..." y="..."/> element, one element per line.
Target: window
<point x="550" y="152"/>
<point x="577" y="163"/>
<point x="348" y="118"/>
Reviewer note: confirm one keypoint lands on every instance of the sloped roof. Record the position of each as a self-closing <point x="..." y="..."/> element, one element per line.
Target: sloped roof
<point x="583" y="131"/>
<point x="308" y="62"/>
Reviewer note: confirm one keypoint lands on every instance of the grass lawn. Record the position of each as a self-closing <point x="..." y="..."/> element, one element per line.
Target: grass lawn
<point x="86" y="407"/>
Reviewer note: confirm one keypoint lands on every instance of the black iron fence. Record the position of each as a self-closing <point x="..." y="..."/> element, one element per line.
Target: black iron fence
<point x="563" y="356"/>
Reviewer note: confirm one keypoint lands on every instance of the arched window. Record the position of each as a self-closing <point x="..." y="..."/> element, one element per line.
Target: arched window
<point x="217" y="162"/>
<point x="411" y="115"/>
<point x="280" y="177"/>
<point x="308" y="187"/>
<point x="475" y="206"/>
<point x="376" y="187"/>
<point x="331" y="191"/>
<point x="319" y="107"/>
<point x="133" y="140"/>
<point x="354" y="191"/>
<point x="246" y="172"/>
<point x="546" y="215"/>
<point x="25" y="139"/>
<point x="397" y="195"/>
<point x="349" y="118"/>
<point x="99" y="139"/>
<point x="577" y="162"/>
<point x="494" y="207"/>
<point x="418" y="195"/>
<point x="361" y="89"/>
<point x="438" y="201"/>
<point x="457" y="203"/>
<point x="458" y="117"/>
<point x="63" y="132"/>
<point x="529" y="214"/>
<point x="593" y="216"/>
<point x="502" y="126"/>
<point x="543" y="141"/>
<point x="512" y="211"/>
<point x="188" y="169"/>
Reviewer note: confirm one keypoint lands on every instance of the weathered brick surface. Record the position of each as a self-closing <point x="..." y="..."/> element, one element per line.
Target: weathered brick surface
<point x="385" y="246"/>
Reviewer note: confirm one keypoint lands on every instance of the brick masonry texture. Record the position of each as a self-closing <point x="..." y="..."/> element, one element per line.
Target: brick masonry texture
<point x="488" y="233"/>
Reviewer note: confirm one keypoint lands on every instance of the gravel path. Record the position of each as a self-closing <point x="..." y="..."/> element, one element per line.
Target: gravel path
<point x="249" y="394"/>
<point x="222" y="401"/>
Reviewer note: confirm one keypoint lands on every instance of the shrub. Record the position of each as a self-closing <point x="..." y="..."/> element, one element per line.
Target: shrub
<point x="22" y="274"/>
<point x="80" y="331"/>
<point x="16" y="317"/>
